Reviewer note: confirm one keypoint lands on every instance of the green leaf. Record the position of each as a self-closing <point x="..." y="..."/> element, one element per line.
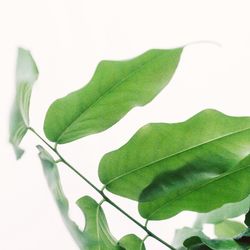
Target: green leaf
<point x="197" y="243"/>
<point x="227" y="211"/>
<point x="26" y="75"/>
<point x="96" y="231"/>
<point x="96" y="235"/>
<point x="131" y="242"/>
<point x="244" y="238"/>
<point x="54" y="183"/>
<point x="228" y="229"/>
<point x="116" y="87"/>
<point x="201" y="196"/>
<point x="247" y="218"/>
<point x="176" y="167"/>
<point x="184" y="233"/>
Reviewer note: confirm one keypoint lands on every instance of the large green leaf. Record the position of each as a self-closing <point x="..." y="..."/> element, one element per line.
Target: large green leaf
<point x="167" y="162"/>
<point x="230" y="210"/>
<point x="228" y="229"/>
<point x="96" y="235"/>
<point x="26" y="75"/>
<point x="131" y="242"/>
<point x="116" y="87"/>
<point x="201" y="196"/>
<point x="96" y="231"/>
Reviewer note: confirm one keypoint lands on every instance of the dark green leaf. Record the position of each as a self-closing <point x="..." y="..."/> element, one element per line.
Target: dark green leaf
<point x="227" y="211"/>
<point x="26" y="75"/>
<point x="247" y="218"/>
<point x="116" y="87"/>
<point x="182" y="165"/>
<point x="96" y="231"/>
<point x="184" y="233"/>
<point x="131" y="242"/>
<point x="96" y="235"/>
<point x="228" y="229"/>
<point x="197" y="243"/>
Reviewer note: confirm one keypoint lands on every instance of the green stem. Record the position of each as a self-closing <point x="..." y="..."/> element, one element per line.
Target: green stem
<point x="100" y="191"/>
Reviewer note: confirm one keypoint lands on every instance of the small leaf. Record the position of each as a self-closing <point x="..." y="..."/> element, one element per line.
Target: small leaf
<point x="184" y="233"/>
<point x="96" y="231"/>
<point x="131" y="242"/>
<point x="228" y="229"/>
<point x="227" y="211"/>
<point x="167" y="162"/>
<point x="26" y="75"/>
<point x="116" y="87"/>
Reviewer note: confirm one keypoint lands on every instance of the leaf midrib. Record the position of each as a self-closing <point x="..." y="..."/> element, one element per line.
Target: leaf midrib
<point x="115" y="85"/>
<point x="175" y="154"/>
<point x="212" y="181"/>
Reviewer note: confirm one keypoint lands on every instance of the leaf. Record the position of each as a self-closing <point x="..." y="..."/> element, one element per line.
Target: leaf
<point x="96" y="235"/>
<point x="230" y="210"/>
<point x="131" y="242"/>
<point x="228" y="229"/>
<point x="202" y="197"/>
<point x="96" y="229"/>
<point x="197" y="243"/>
<point x="244" y="238"/>
<point x="167" y="162"/>
<point x="54" y="183"/>
<point x="247" y="218"/>
<point x="184" y="233"/>
<point x="26" y="75"/>
<point x="116" y="87"/>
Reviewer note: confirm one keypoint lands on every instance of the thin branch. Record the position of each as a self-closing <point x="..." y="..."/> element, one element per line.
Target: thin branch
<point x="100" y="191"/>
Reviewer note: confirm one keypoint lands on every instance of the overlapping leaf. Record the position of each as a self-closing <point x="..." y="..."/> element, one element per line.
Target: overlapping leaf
<point x="227" y="211"/>
<point x="96" y="234"/>
<point x="228" y="229"/>
<point x="182" y="166"/>
<point x="116" y="87"/>
<point x="26" y="75"/>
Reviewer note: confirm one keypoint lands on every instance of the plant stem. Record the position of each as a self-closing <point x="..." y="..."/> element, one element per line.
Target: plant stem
<point x="149" y="233"/>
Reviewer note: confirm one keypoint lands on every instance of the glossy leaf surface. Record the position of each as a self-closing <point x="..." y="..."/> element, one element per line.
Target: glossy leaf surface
<point x="164" y="163"/>
<point x="116" y="87"/>
<point x="131" y="242"/>
<point x="228" y="229"/>
<point x="26" y="75"/>
<point x="227" y="211"/>
<point x="96" y="235"/>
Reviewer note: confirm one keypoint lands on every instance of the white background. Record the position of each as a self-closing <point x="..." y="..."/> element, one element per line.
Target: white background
<point x="68" y="39"/>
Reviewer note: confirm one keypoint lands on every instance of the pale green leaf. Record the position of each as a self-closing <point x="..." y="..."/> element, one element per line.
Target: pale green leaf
<point x="54" y="183"/>
<point x="228" y="229"/>
<point x="167" y="162"/>
<point x="116" y="87"/>
<point x="26" y="75"/>
<point x="96" y="235"/>
<point x="131" y="242"/>
<point x="227" y="211"/>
